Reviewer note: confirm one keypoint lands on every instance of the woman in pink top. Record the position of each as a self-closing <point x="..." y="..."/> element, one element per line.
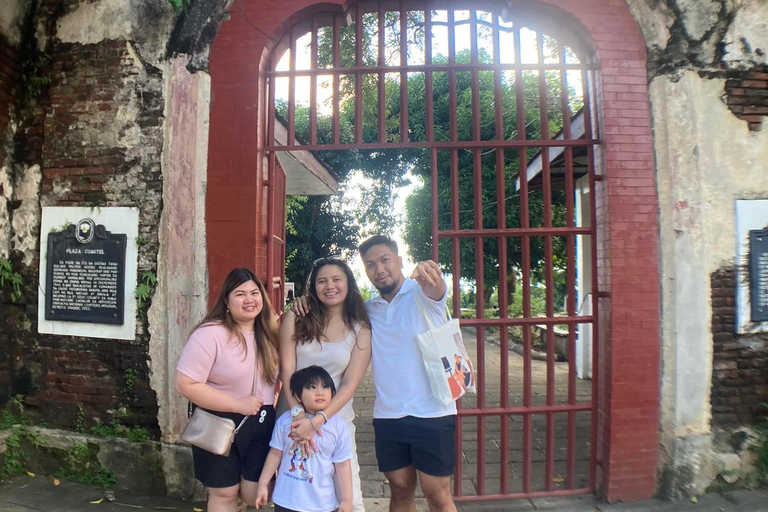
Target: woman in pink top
<point x="233" y="350"/>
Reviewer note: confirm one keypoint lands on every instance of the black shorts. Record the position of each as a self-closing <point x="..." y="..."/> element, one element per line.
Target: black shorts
<point x="247" y="456"/>
<point x="428" y="444"/>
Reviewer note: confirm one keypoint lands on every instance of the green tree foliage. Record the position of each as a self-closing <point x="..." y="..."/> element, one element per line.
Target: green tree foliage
<point x="387" y="168"/>
<point x="315" y="228"/>
<point x="418" y="205"/>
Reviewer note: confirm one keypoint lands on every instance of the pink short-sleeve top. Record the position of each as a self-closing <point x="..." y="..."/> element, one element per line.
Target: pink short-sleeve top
<point x="214" y="356"/>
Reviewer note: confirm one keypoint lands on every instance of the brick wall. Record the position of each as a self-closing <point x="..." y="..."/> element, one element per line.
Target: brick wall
<point x="747" y="96"/>
<point x="98" y="137"/>
<point x="739" y="363"/>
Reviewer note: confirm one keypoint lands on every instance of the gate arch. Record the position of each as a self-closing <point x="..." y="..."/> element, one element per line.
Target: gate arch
<point x="626" y="441"/>
<point x="548" y="89"/>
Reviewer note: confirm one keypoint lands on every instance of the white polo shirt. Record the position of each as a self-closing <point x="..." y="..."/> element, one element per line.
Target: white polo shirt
<point x="402" y="385"/>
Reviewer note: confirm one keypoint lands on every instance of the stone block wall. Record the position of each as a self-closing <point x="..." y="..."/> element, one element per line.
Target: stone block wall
<point x="8" y="75"/>
<point x="9" y="68"/>
<point x="739" y="362"/>
<point x="96" y="137"/>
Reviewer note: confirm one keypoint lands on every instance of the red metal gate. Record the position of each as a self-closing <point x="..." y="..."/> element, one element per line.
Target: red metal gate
<point x="528" y="159"/>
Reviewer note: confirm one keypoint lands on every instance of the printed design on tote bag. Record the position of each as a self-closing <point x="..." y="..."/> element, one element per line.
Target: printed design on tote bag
<point x="458" y="375"/>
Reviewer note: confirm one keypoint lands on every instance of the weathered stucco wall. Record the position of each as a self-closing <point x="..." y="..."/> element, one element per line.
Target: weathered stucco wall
<point x="180" y="299"/>
<point x="706" y="158"/>
<point x="10" y="29"/>
<point x="98" y="134"/>
<point x="120" y="119"/>
<point x="11" y="14"/>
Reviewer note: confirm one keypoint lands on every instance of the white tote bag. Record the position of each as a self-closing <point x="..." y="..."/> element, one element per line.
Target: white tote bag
<point x="446" y="360"/>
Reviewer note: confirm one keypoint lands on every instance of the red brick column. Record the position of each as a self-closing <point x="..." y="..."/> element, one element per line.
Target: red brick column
<point x="629" y="339"/>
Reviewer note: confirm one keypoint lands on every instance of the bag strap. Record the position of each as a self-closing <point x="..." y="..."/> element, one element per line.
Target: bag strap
<point x="253" y="392"/>
<point x="423" y="311"/>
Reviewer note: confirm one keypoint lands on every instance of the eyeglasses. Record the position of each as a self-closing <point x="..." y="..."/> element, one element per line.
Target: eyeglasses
<point x="327" y="259"/>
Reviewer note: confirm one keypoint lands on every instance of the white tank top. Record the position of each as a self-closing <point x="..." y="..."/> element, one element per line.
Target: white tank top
<point x="334" y="357"/>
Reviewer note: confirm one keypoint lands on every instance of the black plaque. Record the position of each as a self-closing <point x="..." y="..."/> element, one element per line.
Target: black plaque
<point x="85" y="272"/>
<point x="758" y="274"/>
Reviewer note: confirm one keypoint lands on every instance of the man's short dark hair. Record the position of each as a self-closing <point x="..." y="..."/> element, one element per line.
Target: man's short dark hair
<point x="378" y="240"/>
<point x="314" y="374"/>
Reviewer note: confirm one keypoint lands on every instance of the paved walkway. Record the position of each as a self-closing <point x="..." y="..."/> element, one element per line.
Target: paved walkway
<point x="38" y="494"/>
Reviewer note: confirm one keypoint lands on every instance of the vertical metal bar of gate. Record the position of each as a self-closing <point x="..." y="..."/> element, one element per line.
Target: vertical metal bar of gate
<point x="589" y="133"/>
<point x="359" y="77"/>
<point x="501" y="222"/>
<point x="479" y="270"/>
<point x="548" y="263"/>
<point x="455" y="250"/>
<point x="526" y="259"/>
<point x="456" y="266"/>
<point x="313" y="85"/>
<point x="290" y="137"/>
<point x="403" y="72"/>
<point x="335" y="128"/>
<point x="429" y="122"/>
<point x="271" y="165"/>
<point x="570" y="274"/>
<point x="382" y="130"/>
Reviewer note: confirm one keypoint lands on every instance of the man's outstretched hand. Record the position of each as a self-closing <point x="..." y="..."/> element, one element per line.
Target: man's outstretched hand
<point x="299" y="307"/>
<point x="430" y="278"/>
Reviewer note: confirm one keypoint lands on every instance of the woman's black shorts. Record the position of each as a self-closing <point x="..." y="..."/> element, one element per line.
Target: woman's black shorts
<point x="246" y="458"/>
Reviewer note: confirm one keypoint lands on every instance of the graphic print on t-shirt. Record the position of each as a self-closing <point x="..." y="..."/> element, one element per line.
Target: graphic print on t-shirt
<point x="299" y="469"/>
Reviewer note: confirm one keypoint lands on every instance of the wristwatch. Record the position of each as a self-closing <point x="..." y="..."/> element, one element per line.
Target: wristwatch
<point x="296" y="410"/>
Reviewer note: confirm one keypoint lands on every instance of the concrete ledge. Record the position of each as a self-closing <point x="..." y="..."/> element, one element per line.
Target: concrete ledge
<point x="148" y="467"/>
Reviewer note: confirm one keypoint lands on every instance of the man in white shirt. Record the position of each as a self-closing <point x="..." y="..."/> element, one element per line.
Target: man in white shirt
<point x="414" y="430"/>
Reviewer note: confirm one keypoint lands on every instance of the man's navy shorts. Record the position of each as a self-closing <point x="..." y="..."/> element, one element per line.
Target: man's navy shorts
<point x="247" y="456"/>
<point x="428" y="444"/>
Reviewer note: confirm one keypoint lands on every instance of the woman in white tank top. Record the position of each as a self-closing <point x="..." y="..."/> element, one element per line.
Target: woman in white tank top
<point x="336" y="334"/>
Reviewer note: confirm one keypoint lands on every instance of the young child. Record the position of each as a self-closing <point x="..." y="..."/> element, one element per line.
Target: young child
<point x="306" y="483"/>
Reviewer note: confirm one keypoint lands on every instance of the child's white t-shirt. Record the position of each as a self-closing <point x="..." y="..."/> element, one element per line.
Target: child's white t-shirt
<point x="306" y="483"/>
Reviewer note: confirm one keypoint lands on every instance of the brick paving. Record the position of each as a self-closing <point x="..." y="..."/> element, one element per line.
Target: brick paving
<point x="374" y="484"/>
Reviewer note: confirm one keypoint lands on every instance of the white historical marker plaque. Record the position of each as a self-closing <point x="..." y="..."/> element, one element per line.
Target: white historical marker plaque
<point x="88" y="271"/>
<point x="751" y="219"/>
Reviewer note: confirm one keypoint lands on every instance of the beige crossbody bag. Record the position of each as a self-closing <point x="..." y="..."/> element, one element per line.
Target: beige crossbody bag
<point x="213" y="433"/>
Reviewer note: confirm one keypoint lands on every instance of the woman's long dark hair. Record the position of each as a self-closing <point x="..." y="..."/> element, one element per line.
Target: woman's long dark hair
<point x="265" y="328"/>
<point x="312" y="326"/>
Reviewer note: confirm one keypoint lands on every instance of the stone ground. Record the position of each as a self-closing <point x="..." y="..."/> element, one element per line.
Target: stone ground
<point x="38" y="494"/>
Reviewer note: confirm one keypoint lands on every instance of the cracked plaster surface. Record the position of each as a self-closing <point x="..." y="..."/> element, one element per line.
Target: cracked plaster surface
<point x="699" y="16"/>
<point x="709" y="35"/>
<point x="6" y="189"/>
<point x="746" y="42"/>
<point x="11" y="14"/>
<point x="26" y="218"/>
<point x="20" y="231"/>
<point x="93" y="22"/>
